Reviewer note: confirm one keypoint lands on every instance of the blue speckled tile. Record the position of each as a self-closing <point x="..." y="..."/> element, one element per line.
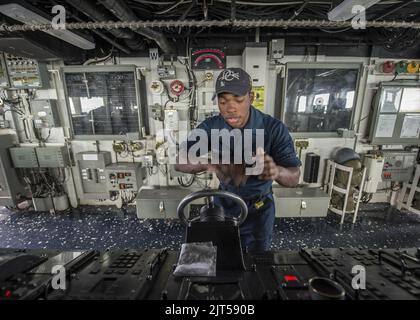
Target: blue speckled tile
<point x="91" y="227"/>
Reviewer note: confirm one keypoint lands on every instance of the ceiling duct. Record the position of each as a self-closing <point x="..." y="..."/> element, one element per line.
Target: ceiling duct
<point x="124" y="13"/>
<point x="349" y="8"/>
<point x="30" y="15"/>
<point x="35" y="46"/>
<point x="98" y="14"/>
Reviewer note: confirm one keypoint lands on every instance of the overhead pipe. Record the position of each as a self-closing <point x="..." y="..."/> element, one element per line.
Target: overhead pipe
<point x="123" y="12"/>
<point x="395" y="9"/>
<point x="114" y="43"/>
<point x="108" y="39"/>
<point x="272" y="23"/>
<point x="97" y="14"/>
<point x="299" y="11"/>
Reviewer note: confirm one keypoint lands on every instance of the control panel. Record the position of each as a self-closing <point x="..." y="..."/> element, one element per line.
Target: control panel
<point x="23" y="72"/>
<point x="308" y="274"/>
<point x="119" y="274"/>
<point x="398" y="165"/>
<point x="92" y="171"/>
<point x="28" y="276"/>
<point x="45" y="113"/>
<point x="124" y="176"/>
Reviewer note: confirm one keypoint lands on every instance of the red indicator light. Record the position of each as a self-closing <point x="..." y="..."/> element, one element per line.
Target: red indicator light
<point x="290" y="278"/>
<point x="8" y="294"/>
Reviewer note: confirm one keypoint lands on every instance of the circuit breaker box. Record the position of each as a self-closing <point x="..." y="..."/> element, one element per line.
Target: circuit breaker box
<point x="53" y="157"/>
<point x="45" y="113"/>
<point x="374" y="165"/>
<point x="10" y="186"/>
<point x="124" y="176"/>
<point x="398" y="165"/>
<point x="92" y="166"/>
<point x="24" y="157"/>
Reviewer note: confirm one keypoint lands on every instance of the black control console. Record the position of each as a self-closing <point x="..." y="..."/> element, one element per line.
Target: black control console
<point x="148" y="274"/>
<point x="308" y="274"/>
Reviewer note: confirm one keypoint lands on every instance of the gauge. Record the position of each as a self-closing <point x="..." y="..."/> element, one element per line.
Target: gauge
<point x="208" y="59"/>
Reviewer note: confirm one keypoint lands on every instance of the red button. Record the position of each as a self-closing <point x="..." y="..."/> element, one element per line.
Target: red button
<point x="290" y="278"/>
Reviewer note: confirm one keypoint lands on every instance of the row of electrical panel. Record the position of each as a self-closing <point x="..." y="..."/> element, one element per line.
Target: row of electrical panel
<point x="40" y="157"/>
<point x="100" y="178"/>
<point x="19" y="73"/>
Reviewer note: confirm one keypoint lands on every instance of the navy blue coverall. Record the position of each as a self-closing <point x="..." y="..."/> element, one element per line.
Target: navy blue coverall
<point x="256" y="232"/>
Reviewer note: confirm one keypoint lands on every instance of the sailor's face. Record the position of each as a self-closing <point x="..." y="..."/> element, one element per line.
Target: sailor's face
<point x="235" y="109"/>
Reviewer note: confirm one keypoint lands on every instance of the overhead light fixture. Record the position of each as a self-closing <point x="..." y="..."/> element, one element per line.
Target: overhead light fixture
<point x="26" y="16"/>
<point x="344" y="11"/>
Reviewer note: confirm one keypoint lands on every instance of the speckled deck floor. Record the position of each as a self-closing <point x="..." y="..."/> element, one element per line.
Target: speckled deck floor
<point x="106" y="227"/>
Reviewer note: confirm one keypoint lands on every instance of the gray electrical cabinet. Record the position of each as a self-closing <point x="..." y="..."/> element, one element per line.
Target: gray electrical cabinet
<point x="10" y="186"/>
<point x="45" y="113"/>
<point x="92" y="166"/>
<point x="300" y="202"/>
<point x="160" y="202"/>
<point x="53" y="157"/>
<point x="24" y="157"/>
<point x="124" y="176"/>
<point x="398" y="166"/>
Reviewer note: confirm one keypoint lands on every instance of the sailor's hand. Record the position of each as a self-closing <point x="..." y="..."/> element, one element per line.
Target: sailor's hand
<point x="227" y="173"/>
<point x="271" y="170"/>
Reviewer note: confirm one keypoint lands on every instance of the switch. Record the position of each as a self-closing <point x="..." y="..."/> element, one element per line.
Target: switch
<point x="277" y="48"/>
<point x="162" y="207"/>
<point x="289" y="278"/>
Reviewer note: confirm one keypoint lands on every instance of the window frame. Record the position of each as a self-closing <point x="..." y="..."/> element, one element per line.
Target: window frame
<point x="317" y="65"/>
<point x="107" y="68"/>
<point x="400" y="115"/>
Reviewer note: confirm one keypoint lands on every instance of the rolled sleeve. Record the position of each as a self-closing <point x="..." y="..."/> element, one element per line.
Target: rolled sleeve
<point x="283" y="151"/>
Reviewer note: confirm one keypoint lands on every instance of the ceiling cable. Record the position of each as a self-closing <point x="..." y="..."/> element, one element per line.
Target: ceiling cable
<point x="110" y="25"/>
